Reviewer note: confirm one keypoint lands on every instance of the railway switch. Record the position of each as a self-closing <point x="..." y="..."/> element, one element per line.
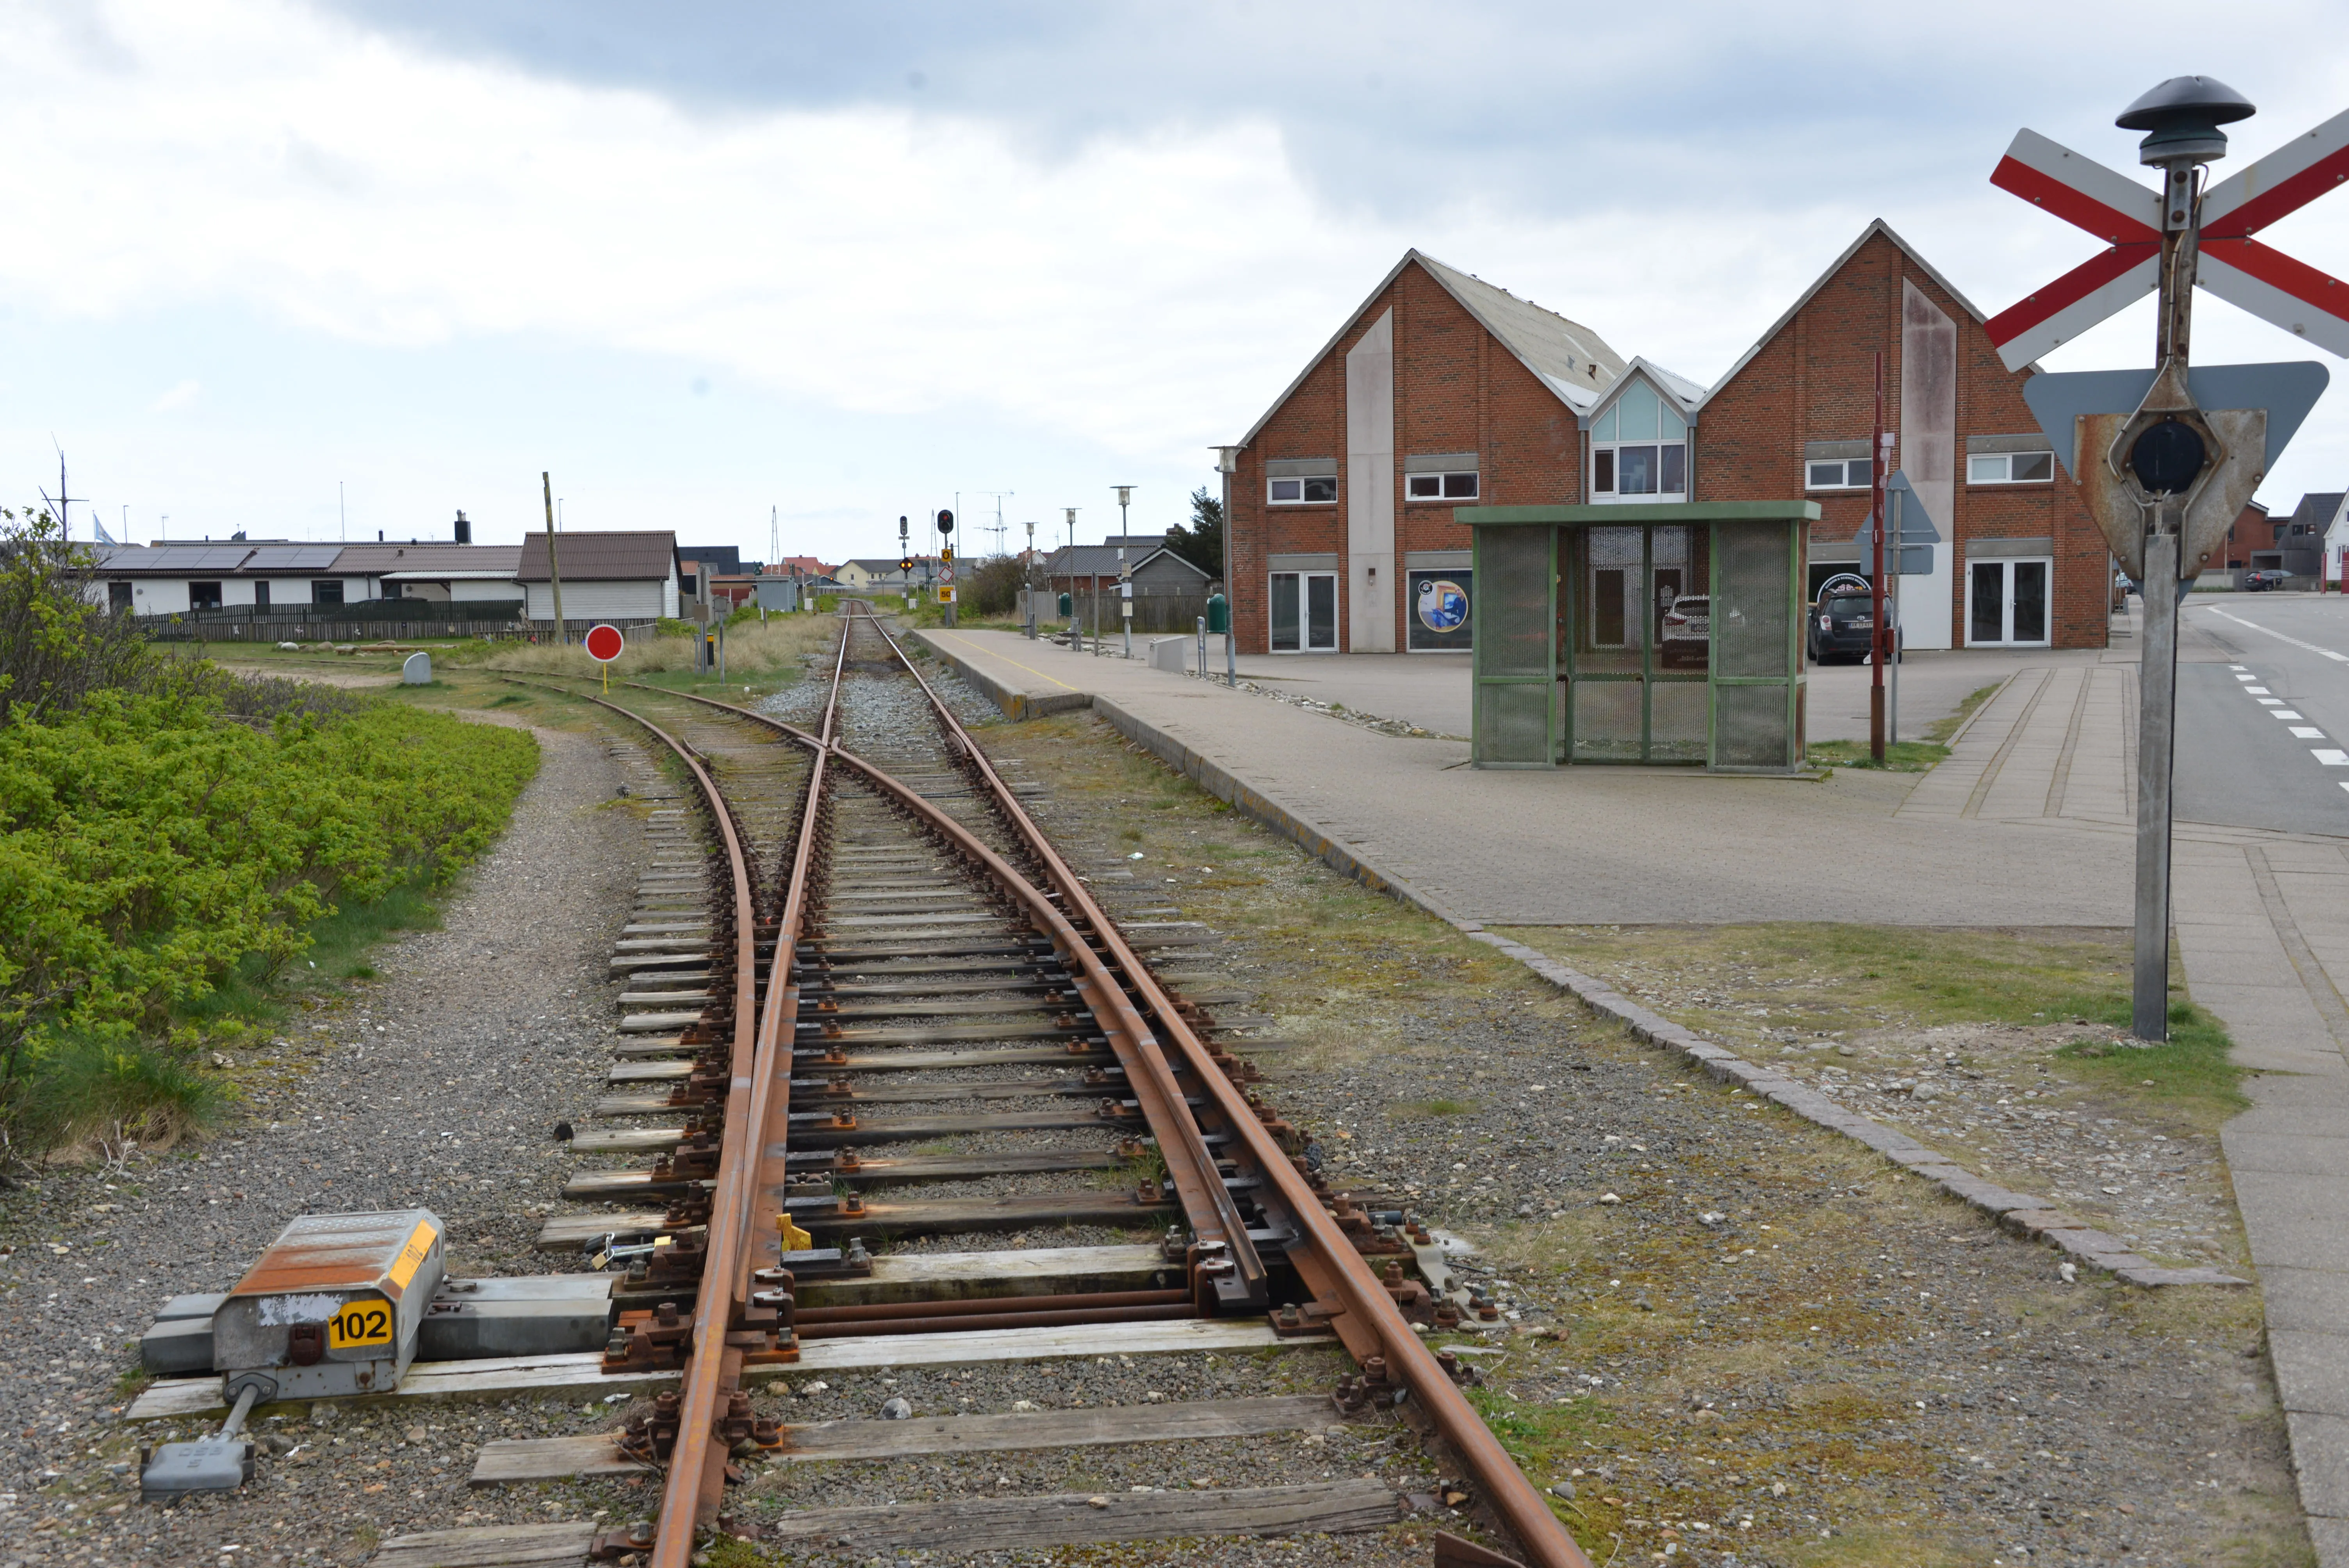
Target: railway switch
<point x="333" y="1306"/>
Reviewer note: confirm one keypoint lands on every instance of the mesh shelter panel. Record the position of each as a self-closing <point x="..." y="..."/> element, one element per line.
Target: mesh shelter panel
<point x="1750" y="728"/>
<point x="1513" y="723"/>
<point x="1514" y="627"/>
<point x="1752" y="597"/>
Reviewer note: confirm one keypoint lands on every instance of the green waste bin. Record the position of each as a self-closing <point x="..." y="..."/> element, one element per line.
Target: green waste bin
<point x="1219" y="614"/>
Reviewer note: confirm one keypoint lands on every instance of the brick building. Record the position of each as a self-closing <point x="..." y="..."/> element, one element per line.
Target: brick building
<point x="1443" y="390"/>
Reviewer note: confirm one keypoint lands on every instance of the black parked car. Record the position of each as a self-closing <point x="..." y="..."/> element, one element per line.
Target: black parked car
<point x="2260" y="581"/>
<point x="1842" y="626"/>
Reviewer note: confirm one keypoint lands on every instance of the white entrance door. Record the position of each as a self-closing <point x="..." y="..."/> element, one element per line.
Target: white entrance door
<point x="2007" y="602"/>
<point x="1304" y="613"/>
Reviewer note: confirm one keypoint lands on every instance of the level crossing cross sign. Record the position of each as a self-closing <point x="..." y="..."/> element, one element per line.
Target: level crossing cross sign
<point x="2128" y="216"/>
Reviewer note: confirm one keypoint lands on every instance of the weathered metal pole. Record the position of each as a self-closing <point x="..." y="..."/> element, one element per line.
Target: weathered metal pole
<point x="2156" y="712"/>
<point x="554" y="566"/>
<point x="1876" y="583"/>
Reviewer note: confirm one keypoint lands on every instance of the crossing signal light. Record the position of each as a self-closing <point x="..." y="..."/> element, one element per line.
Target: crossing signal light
<point x="905" y="564"/>
<point x="946" y="521"/>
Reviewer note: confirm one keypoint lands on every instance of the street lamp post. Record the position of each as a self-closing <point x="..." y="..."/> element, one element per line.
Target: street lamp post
<point x="1124" y="573"/>
<point x="1069" y="538"/>
<point x="1027" y="575"/>
<point x="1228" y="463"/>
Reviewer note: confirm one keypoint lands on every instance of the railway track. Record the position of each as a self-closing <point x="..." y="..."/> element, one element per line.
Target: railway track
<point x="874" y="1018"/>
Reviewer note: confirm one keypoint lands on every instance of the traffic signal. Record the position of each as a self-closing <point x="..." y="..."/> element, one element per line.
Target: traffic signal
<point x="946" y="521"/>
<point x="905" y="564"/>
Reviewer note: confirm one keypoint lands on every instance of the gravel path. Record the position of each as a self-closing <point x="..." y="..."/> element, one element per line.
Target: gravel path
<point x="435" y="1085"/>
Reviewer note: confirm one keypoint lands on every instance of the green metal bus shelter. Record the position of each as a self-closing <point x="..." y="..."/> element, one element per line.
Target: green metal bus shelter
<point x="1661" y="634"/>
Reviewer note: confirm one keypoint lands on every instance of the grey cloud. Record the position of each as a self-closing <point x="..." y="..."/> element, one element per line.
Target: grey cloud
<point x="1403" y="109"/>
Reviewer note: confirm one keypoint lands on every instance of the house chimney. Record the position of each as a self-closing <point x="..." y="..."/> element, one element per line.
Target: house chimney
<point x="464" y="530"/>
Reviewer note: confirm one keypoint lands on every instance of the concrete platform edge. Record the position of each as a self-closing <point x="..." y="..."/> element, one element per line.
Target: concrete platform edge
<point x="2031" y="1216"/>
<point x="1016" y="704"/>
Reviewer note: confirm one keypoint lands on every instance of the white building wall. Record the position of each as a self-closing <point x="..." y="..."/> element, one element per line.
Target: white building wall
<point x="462" y="591"/>
<point x="160" y="596"/>
<point x="638" y="601"/>
<point x="1369" y="489"/>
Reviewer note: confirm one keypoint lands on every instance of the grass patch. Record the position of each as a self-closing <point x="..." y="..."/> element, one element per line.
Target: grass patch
<point x="1903" y="757"/>
<point x="1756" y="983"/>
<point x="1907" y="755"/>
<point x="1421" y="1109"/>
<point x="111" y="1096"/>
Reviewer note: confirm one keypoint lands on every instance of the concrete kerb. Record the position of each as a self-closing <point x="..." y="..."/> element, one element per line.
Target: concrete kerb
<point x="2019" y="1212"/>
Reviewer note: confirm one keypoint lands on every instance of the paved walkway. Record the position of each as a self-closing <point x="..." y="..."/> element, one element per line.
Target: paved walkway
<point x="2028" y="822"/>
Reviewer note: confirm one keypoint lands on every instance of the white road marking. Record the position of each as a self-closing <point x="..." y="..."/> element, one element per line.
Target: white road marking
<point x="2257" y="691"/>
<point x="2270" y="702"/>
<point x="2285" y="713"/>
<point x="2332" y="758"/>
<point x="2242" y="677"/>
<point x="2306" y="732"/>
<point x="2279" y="636"/>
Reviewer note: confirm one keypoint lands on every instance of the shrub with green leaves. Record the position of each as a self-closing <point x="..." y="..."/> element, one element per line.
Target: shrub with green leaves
<point x="151" y="842"/>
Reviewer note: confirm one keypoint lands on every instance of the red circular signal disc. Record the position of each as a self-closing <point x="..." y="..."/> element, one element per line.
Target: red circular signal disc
<point x="605" y="644"/>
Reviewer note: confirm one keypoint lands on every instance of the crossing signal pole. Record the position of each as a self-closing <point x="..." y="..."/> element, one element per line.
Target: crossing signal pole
<point x="2164" y="478"/>
<point x="945" y="565"/>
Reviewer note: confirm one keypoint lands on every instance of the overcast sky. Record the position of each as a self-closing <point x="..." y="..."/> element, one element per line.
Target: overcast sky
<point x="846" y="262"/>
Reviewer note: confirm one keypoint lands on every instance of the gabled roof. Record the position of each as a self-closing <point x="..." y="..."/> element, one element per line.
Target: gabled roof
<point x="1682" y="391"/>
<point x="1568" y="358"/>
<point x="621" y="556"/>
<point x="1101" y="560"/>
<point x="2318" y="506"/>
<point x="1875" y="226"/>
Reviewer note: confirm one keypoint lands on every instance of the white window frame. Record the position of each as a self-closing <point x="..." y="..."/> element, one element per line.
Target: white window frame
<point x="1444" y="494"/>
<point x="1272" y="496"/>
<point x="2006" y="603"/>
<point x="1850" y="466"/>
<point x="1998" y="469"/>
<point x="1614" y="473"/>
<point x="1304" y="591"/>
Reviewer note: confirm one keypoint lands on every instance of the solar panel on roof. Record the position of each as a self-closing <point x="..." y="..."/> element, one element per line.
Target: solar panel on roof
<point x="199" y="557"/>
<point x="293" y="557"/>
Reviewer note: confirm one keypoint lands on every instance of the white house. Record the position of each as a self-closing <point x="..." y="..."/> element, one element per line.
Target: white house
<point x="2336" y="542"/>
<point x="614" y="577"/>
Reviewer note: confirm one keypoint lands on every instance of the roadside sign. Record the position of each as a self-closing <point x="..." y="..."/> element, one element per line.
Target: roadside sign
<point x="2254" y="409"/>
<point x="946" y="570"/>
<point x="946" y="594"/>
<point x="2127" y="217"/>
<point x="605" y="643"/>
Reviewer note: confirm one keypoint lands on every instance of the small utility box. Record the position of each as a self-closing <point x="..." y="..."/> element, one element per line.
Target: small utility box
<point x="1661" y="634"/>
<point x="334" y="1306"/>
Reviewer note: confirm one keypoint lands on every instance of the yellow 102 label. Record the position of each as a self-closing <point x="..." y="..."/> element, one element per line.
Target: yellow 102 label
<point x="359" y="1324"/>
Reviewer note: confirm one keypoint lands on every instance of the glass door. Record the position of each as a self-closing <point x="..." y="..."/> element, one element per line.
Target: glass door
<point x="1304" y="612"/>
<point x="1638" y="643"/>
<point x="2006" y="602"/>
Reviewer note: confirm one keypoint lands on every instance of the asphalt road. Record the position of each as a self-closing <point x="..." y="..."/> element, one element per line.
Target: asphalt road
<point x="2251" y="753"/>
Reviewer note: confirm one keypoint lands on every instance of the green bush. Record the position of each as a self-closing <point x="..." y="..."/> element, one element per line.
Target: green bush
<point x="153" y="842"/>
